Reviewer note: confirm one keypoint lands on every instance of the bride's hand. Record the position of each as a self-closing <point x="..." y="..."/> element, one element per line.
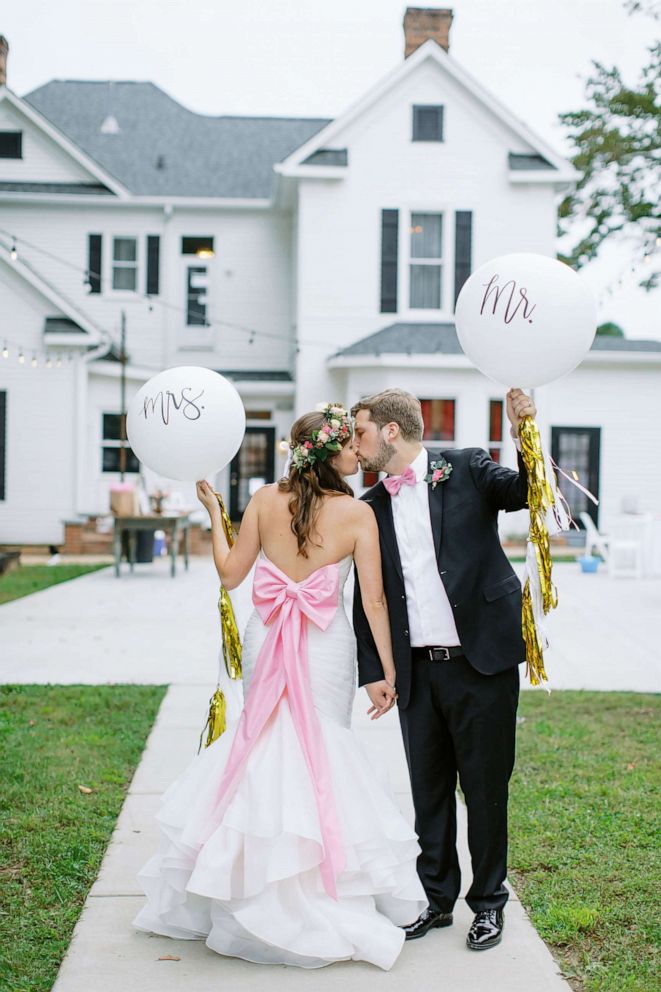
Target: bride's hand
<point x="206" y="496"/>
<point x="382" y="696"/>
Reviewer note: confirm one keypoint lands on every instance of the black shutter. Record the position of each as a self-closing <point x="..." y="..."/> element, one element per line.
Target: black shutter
<point x="94" y="242"/>
<point x="463" y="248"/>
<point x="3" y="441"/>
<point x="389" y="245"/>
<point x="153" y="257"/>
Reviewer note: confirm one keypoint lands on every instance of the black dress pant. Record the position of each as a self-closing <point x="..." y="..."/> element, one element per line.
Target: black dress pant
<point x="459" y="721"/>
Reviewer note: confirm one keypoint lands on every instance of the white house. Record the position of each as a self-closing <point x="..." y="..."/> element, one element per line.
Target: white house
<point x="305" y="259"/>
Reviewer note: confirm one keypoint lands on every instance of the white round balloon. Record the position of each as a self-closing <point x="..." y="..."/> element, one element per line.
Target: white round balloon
<point x="186" y="423"/>
<point x="525" y="320"/>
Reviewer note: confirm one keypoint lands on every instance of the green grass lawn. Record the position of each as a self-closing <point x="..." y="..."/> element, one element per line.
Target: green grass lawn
<point x="25" y="579"/>
<point x="52" y="836"/>
<point x="585" y="833"/>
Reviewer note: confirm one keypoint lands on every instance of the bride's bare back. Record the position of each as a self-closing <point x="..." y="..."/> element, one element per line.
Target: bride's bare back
<point x="332" y="539"/>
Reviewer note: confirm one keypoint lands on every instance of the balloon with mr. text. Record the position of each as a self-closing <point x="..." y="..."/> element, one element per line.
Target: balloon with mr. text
<point x="186" y="423"/>
<point x="525" y="319"/>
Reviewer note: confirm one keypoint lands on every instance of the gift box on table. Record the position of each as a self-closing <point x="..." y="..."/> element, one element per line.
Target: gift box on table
<point x="124" y="500"/>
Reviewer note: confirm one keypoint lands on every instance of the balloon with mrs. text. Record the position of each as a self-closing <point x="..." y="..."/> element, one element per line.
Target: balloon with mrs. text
<point x="525" y="319"/>
<point x="186" y="423"/>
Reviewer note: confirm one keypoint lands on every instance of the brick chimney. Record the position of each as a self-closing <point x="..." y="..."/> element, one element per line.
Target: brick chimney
<point x="4" y="49"/>
<point x="421" y="23"/>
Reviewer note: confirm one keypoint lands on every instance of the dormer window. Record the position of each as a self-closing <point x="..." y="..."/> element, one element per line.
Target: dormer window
<point x="427" y="123"/>
<point x="11" y="144"/>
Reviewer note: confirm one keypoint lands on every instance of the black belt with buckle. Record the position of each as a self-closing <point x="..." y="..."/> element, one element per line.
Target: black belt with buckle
<point x="434" y="653"/>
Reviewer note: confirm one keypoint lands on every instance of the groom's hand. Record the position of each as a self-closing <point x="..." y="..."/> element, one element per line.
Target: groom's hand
<point x="382" y="697"/>
<point x="519" y="405"/>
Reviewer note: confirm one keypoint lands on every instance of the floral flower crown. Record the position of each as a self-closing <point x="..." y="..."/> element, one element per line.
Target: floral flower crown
<point x="325" y="441"/>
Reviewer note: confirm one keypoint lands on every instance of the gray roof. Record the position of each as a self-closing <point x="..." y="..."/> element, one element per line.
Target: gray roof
<point x="163" y="149"/>
<point x="257" y="375"/>
<point x="519" y="161"/>
<point x="427" y="339"/>
<point x="93" y="189"/>
<point x="62" y="325"/>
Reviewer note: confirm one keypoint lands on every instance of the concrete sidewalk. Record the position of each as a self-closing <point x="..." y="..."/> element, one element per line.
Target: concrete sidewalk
<point x="107" y="954"/>
<point x="149" y="628"/>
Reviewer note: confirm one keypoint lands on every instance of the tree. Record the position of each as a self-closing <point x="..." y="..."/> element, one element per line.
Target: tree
<point x="617" y="142"/>
<point x="610" y="330"/>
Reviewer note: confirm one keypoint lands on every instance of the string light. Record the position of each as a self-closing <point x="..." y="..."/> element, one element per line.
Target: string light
<point x="13" y="254"/>
<point x="34" y="363"/>
<point x="5" y="351"/>
<point x="21" y="359"/>
<point x="87" y="275"/>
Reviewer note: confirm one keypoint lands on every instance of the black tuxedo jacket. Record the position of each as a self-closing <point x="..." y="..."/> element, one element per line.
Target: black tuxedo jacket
<point x="482" y="587"/>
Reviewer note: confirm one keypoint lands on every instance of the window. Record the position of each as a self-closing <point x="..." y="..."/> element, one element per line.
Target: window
<point x="202" y="247"/>
<point x="11" y="144"/>
<point x="125" y="264"/>
<point x="495" y="429"/>
<point x="196" y="295"/>
<point x="438" y="418"/>
<point x="425" y="268"/>
<point x="111" y="446"/>
<point x="427" y="123"/>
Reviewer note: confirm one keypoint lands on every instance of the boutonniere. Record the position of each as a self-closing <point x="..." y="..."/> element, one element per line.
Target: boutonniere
<point x="439" y="472"/>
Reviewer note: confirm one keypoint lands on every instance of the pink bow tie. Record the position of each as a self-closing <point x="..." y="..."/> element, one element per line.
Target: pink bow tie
<point x="394" y="483"/>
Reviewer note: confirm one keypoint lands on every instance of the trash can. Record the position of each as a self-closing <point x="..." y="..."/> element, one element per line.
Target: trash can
<point x="144" y="551"/>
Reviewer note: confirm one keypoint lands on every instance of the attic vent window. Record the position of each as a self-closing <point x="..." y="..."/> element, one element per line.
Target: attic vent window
<point x="202" y="247"/>
<point x="427" y="123"/>
<point x="11" y="144"/>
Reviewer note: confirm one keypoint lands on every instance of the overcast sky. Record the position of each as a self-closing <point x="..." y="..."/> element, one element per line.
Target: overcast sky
<point x="316" y="57"/>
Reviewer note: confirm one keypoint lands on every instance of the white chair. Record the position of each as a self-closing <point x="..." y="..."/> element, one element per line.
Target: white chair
<point x="625" y="560"/>
<point x="593" y="539"/>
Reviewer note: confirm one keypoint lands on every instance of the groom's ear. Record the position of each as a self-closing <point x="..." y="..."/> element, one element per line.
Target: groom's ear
<point x="393" y="430"/>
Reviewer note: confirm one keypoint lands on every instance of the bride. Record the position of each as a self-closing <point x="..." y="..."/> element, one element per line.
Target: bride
<point x="280" y="845"/>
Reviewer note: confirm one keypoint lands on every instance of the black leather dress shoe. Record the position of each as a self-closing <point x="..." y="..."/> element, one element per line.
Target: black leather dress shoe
<point x="428" y="920"/>
<point x="486" y="930"/>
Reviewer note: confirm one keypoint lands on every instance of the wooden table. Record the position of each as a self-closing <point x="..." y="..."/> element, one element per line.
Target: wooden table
<point x="175" y="526"/>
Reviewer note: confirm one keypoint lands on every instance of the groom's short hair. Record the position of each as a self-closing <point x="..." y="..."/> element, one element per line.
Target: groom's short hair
<point x="394" y="406"/>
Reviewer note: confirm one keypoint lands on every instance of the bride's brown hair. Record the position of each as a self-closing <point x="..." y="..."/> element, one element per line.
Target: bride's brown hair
<point x="308" y="487"/>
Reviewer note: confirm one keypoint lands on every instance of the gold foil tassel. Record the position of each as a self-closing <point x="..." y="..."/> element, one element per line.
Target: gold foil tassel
<point x="216" y="723"/>
<point x="231" y="644"/>
<point x="541" y="500"/>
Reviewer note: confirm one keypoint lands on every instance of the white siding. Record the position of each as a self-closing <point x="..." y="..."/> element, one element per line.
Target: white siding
<point x="43" y="160"/>
<point x="339" y="225"/>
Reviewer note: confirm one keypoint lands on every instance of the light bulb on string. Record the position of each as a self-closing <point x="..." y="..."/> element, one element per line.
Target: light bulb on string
<point x="13" y="254"/>
<point x="21" y="359"/>
<point x="49" y="362"/>
<point x="5" y="351"/>
<point x="34" y="362"/>
<point x="58" y="362"/>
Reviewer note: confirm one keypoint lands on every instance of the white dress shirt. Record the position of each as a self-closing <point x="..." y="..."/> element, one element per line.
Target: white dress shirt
<point x="430" y="615"/>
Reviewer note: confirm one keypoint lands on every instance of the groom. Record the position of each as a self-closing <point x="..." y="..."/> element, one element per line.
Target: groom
<point x="455" y="617"/>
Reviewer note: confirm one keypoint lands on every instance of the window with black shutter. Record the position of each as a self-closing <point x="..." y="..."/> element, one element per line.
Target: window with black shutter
<point x="114" y="426"/>
<point x="11" y="144"/>
<point x="94" y="243"/>
<point x="427" y="123"/>
<point x="3" y="441"/>
<point x="463" y="248"/>
<point x="153" y="263"/>
<point x="389" y="251"/>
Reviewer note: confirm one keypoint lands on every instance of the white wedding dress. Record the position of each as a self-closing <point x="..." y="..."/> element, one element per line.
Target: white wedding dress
<point x="247" y="878"/>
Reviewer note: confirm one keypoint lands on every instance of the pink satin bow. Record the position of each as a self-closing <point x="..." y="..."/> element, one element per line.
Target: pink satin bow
<point x="394" y="483"/>
<point x="282" y="668"/>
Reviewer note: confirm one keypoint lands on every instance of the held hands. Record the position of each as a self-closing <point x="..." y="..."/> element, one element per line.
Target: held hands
<point x="519" y="406"/>
<point x="382" y="696"/>
<point x="206" y="497"/>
